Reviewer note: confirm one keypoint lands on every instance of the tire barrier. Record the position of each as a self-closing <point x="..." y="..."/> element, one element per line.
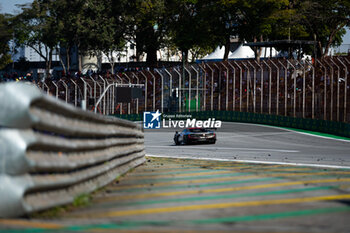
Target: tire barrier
<point x="52" y="152"/>
<point x="331" y="127"/>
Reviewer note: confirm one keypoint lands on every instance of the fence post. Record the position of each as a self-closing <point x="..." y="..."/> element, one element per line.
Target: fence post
<point x="137" y="100"/>
<point x="233" y="87"/>
<point x="171" y="85"/>
<point x="219" y="86"/>
<point x="162" y="87"/>
<point x="278" y="86"/>
<point x="47" y="88"/>
<point x="313" y="89"/>
<point x="227" y="74"/>
<point x="197" y="83"/>
<point x="261" y="86"/>
<point x="254" y="86"/>
<point x="304" y="70"/>
<point x="171" y="81"/>
<point x="345" y="87"/>
<point x="338" y="89"/>
<point x="295" y="91"/>
<point x="205" y="88"/>
<point x="113" y="98"/>
<point x="240" y="86"/>
<point x="189" y="88"/>
<point x="346" y="92"/>
<point x="270" y="85"/>
<point x="324" y="90"/>
<point x="104" y="98"/>
<point x="66" y="92"/>
<point x="285" y="87"/>
<point x="145" y="89"/>
<point x="107" y="98"/>
<point x="120" y="104"/>
<point x="94" y="89"/>
<point x="75" y="93"/>
<point x="331" y="83"/>
<point x="248" y="87"/>
<point x="179" y="88"/>
<point x="129" y="83"/>
<point x="84" y="104"/>
<point x="212" y="86"/>
<point x="154" y="91"/>
<point x="56" y="89"/>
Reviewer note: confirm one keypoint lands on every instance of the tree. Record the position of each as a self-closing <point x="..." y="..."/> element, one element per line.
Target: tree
<point x="325" y="21"/>
<point x="36" y="27"/>
<point x="188" y="29"/>
<point x="147" y="26"/>
<point x="107" y="26"/>
<point x="5" y="37"/>
<point x="256" y="19"/>
<point x="68" y="15"/>
<point x="219" y="22"/>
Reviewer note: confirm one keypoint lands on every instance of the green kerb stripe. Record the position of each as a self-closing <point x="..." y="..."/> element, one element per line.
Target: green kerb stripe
<point x="271" y="216"/>
<point x="317" y="133"/>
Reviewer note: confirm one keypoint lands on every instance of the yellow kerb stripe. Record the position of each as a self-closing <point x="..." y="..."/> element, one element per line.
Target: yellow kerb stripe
<point x="218" y="206"/>
<point x="29" y="224"/>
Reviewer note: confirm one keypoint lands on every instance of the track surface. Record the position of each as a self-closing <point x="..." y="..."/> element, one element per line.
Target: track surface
<point x="251" y="142"/>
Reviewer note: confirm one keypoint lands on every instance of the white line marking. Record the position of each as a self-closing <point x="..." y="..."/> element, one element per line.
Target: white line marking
<point x="224" y="148"/>
<point x="290" y="130"/>
<point x="252" y="161"/>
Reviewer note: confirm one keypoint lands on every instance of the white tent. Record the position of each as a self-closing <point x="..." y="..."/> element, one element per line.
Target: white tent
<point x="242" y="52"/>
<point x="218" y="54"/>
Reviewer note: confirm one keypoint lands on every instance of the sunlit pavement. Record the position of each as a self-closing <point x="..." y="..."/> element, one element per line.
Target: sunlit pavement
<point x="173" y="195"/>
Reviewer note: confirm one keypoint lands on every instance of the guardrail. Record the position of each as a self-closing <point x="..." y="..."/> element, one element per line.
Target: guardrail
<point x="52" y="152"/>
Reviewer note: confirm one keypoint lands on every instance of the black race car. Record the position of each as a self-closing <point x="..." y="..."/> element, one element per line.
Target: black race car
<point x="195" y="135"/>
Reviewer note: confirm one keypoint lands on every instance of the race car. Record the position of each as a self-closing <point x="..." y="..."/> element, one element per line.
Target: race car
<point x="195" y="135"/>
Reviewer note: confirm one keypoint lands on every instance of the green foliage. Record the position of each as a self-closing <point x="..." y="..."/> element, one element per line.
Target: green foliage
<point x="82" y="200"/>
<point x="147" y="24"/>
<point x="325" y="21"/>
<point x="95" y="26"/>
<point x="5" y="37"/>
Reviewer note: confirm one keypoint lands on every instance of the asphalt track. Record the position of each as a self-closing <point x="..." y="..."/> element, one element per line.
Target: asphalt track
<point x="256" y="143"/>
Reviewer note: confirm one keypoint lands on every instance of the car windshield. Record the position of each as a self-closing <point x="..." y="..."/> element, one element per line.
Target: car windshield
<point x="198" y="130"/>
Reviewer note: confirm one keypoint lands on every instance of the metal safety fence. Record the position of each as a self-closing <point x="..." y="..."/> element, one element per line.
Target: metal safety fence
<point x="305" y="89"/>
<point x="52" y="152"/>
